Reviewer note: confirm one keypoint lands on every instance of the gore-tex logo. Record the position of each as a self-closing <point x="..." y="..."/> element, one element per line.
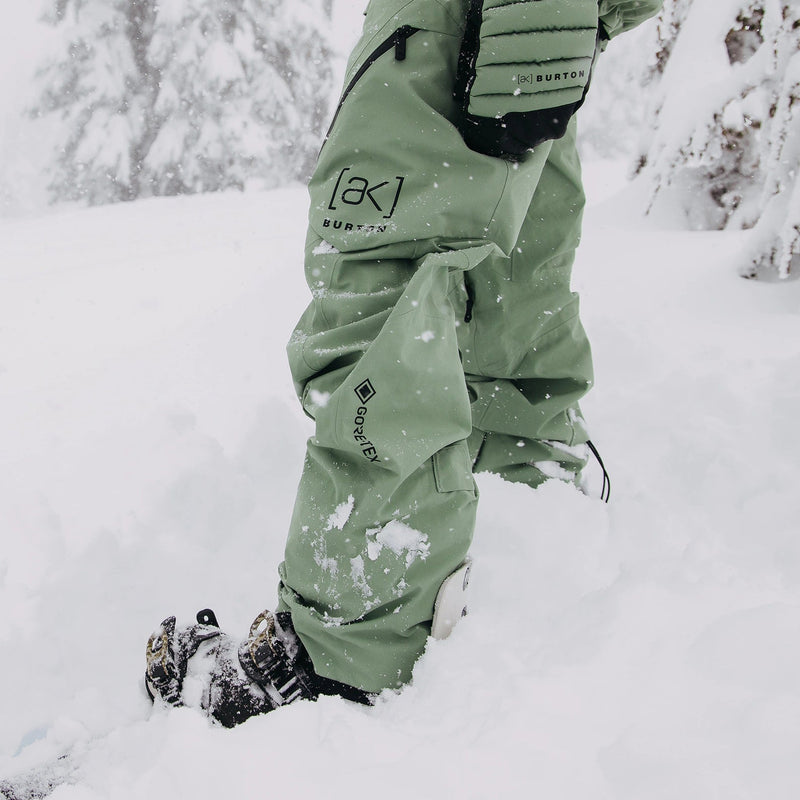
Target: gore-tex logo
<point x="354" y="190"/>
<point x="365" y="391"/>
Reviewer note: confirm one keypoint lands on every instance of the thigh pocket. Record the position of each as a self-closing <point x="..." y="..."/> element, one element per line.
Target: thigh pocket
<point x="452" y="468"/>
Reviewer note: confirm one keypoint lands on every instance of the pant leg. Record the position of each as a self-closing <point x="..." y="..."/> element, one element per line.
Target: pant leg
<point x="526" y="355"/>
<point x="386" y="504"/>
<point x="400" y="210"/>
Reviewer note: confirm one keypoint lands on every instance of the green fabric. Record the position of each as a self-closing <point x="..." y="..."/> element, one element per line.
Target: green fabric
<point x="533" y="54"/>
<point x="407" y="228"/>
<point x="619" y="16"/>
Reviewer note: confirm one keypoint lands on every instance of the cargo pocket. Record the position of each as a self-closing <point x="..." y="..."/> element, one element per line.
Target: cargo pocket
<point x="452" y="468"/>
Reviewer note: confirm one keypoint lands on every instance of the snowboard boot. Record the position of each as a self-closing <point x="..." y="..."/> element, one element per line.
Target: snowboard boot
<point x="201" y="667"/>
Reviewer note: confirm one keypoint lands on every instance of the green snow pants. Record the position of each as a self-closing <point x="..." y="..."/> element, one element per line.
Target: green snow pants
<point x="442" y="339"/>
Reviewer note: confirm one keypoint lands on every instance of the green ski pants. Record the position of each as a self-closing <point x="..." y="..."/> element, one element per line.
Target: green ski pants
<point x="442" y="339"/>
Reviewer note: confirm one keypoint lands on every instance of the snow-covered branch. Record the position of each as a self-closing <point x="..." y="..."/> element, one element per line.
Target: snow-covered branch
<point x="724" y="121"/>
<point x="167" y="97"/>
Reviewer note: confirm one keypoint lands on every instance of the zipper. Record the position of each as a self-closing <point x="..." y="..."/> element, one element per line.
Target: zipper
<point x="396" y="41"/>
<point x="470" y="290"/>
<point x="468" y="55"/>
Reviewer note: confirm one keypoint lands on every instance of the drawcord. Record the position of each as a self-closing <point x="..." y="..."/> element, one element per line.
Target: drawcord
<point x="605" y="492"/>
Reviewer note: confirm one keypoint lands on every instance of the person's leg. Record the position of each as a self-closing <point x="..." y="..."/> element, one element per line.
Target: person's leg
<point x="400" y="210"/>
<point x="386" y="503"/>
<point x="525" y="352"/>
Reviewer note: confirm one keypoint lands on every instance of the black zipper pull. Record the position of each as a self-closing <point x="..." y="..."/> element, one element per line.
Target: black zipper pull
<point x="400" y="38"/>
<point x="470" y="299"/>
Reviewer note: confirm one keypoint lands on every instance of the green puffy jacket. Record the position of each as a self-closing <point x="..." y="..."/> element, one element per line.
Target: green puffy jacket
<point x="525" y="66"/>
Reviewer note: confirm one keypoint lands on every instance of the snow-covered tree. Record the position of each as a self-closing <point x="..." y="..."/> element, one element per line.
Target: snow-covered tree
<point x="725" y="121"/>
<point x="159" y="97"/>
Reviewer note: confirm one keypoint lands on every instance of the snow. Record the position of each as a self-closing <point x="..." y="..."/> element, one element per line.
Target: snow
<point x="722" y="123"/>
<point x="324" y="249"/>
<point x="399" y="538"/>
<point x="340" y="516"/>
<point x="152" y="442"/>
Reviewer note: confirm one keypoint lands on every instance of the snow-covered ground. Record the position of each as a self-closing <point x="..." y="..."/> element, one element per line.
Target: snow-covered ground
<point x="151" y="443"/>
